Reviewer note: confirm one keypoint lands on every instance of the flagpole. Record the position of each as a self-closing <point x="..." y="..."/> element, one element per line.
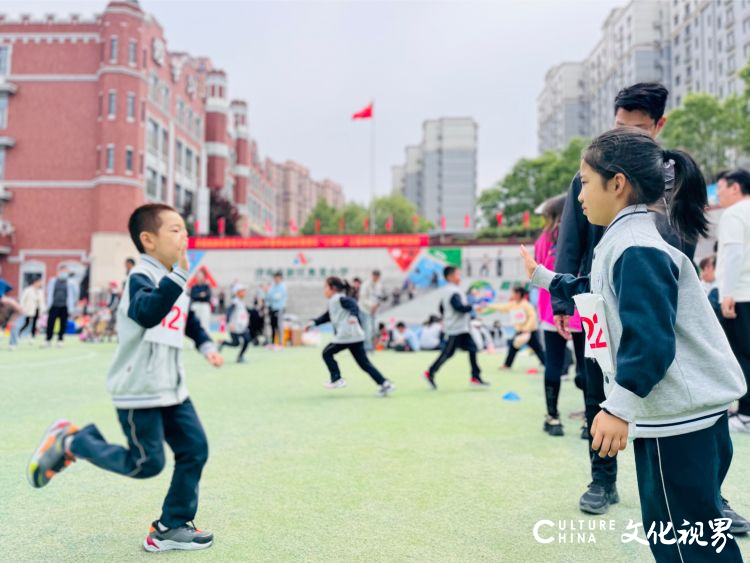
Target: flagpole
<point x="372" y="169"/>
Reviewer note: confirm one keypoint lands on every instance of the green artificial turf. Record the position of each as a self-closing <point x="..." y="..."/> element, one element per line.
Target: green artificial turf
<point x="299" y="473"/>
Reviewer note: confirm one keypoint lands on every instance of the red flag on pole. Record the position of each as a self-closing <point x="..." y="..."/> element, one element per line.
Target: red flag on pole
<point x="366" y="224"/>
<point x="317" y="226"/>
<point x="499" y="218"/>
<point x="415" y="220"/>
<point x="365" y="113"/>
<point x="197" y="227"/>
<point x="342" y="224"/>
<point x="467" y="221"/>
<point x="221" y="226"/>
<point x="526" y="219"/>
<point x="268" y="226"/>
<point x="292" y="226"/>
<point x="389" y="223"/>
<point x="443" y="223"/>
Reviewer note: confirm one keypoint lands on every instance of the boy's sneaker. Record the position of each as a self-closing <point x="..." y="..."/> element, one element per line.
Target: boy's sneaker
<point x="739" y="423"/>
<point x="386" y="388"/>
<point x="597" y="498"/>
<point x="739" y="524"/>
<point x="430" y="379"/>
<point x="479" y="382"/>
<point x="241" y="361"/>
<point x="338" y="384"/>
<point x="186" y="537"/>
<point x="585" y="435"/>
<point x="553" y="426"/>
<point x="50" y="457"/>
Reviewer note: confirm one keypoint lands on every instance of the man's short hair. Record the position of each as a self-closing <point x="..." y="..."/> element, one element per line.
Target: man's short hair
<point x="648" y="97"/>
<point x="739" y="176"/>
<point x="400" y="325"/>
<point x="448" y="271"/>
<point x="146" y="219"/>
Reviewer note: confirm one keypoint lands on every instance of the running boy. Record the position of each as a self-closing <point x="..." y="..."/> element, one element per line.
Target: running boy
<point x="343" y="314"/>
<point x="456" y="316"/>
<point x="238" y="323"/>
<point x="147" y="383"/>
<point x="669" y="374"/>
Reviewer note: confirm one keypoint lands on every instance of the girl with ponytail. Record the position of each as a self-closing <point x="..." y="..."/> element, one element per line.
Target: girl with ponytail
<point x="343" y="314"/>
<point x="669" y="373"/>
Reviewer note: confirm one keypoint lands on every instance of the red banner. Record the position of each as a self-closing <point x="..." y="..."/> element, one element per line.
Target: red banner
<point x="320" y="241"/>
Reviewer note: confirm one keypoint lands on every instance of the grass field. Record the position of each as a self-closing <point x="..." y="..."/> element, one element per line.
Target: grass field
<point x="299" y="473"/>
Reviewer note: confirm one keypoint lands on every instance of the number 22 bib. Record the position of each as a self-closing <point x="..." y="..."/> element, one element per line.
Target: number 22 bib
<point x="598" y="345"/>
<point x="171" y="330"/>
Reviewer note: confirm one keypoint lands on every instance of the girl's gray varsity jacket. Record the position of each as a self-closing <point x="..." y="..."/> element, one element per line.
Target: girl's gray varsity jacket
<point x="674" y="370"/>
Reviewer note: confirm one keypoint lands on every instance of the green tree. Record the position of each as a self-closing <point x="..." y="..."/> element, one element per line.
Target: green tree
<point x="328" y="217"/>
<point x="529" y="183"/>
<point x="709" y="129"/>
<point x="401" y="210"/>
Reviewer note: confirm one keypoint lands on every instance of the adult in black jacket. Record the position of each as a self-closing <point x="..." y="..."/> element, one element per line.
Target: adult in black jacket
<point x="642" y="106"/>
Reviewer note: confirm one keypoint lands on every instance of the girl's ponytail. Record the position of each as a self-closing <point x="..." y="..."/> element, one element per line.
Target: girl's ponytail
<point x="339" y="285"/>
<point x="687" y="207"/>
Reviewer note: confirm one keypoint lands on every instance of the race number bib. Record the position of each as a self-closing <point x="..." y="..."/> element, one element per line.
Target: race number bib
<point x="518" y="316"/>
<point x="598" y="345"/>
<point x="171" y="330"/>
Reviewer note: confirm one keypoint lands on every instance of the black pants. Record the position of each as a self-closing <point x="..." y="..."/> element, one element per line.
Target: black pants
<point x="464" y="342"/>
<point x="275" y="326"/>
<point x="146" y="431"/>
<point x="555" y="348"/>
<point x="534" y="344"/>
<point x="679" y="478"/>
<point x="30" y="321"/>
<point x="237" y="338"/>
<point x="603" y="470"/>
<point x="54" y="314"/>
<point x="359" y="354"/>
<point x="738" y="334"/>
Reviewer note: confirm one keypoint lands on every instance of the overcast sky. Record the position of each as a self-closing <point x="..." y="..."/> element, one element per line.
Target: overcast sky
<point x="304" y="67"/>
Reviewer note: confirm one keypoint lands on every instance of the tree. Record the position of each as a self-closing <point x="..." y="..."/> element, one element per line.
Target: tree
<point x="530" y="182"/>
<point x="328" y="217"/>
<point x="709" y="129"/>
<point x="222" y="207"/>
<point x="402" y="212"/>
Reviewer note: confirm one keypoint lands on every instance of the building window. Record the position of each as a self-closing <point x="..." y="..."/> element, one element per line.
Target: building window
<point x="110" y="158"/>
<point x="677" y="82"/>
<point x="113" y="49"/>
<point x="112" y="103"/>
<point x="129" y="160"/>
<point x="163" y="194"/>
<point x="4" y="60"/>
<point x="2" y="163"/>
<point x="98" y="158"/>
<point x="151" y="179"/>
<point x="165" y="144"/>
<point x="133" y="52"/>
<point x="189" y="162"/>
<point x="165" y="98"/>
<point x="178" y="155"/>
<point x="32" y="271"/>
<point x="187" y="203"/>
<point x="131" y="106"/>
<point x="198" y="126"/>
<point x="153" y="87"/>
<point x="3" y="111"/>
<point x="101" y="103"/>
<point x="177" y="196"/>
<point x="153" y="136"/>
<point x="180" y="110"/>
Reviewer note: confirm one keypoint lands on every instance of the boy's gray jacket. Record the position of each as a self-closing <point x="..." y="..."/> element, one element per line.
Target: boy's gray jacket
<point x="147" y="374"/>
<point x="455" y="310"/>
<point x="674" y="370"/>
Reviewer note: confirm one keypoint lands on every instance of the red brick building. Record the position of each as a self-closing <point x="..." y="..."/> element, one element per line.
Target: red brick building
<point x="97" y="117"/>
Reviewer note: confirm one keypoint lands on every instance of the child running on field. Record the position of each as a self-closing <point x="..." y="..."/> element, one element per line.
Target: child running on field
<point x="669" y="373"/>
<point x="343" y="314"/>
<point x="147" y="383"/>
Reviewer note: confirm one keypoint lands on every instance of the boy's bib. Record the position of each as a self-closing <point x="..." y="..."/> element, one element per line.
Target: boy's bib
<point x="171" y="330"/>
<point x="598" y="345"/>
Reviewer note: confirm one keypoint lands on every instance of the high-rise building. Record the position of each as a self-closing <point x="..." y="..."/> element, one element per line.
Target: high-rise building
<point x="687" y="45"/>
<point x="440" y="175"/>
<point x="562" y="106"/>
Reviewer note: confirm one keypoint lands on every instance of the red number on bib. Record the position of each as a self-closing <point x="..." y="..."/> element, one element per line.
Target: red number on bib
<point x="590" y="327"/>
<point x="173" y="323"/>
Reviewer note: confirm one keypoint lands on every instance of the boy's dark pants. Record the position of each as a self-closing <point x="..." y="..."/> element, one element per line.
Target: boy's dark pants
<point x="464" y="341"/>
<point x="146" y="431"/>
<point x="679" y="478"/>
